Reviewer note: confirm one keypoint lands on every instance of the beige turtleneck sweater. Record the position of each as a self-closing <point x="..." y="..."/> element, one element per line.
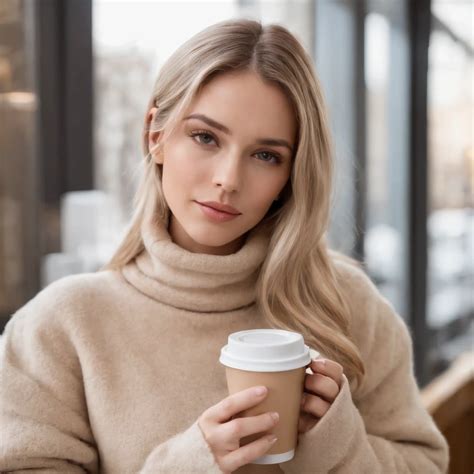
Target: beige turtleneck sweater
<point x="109" y="372"/>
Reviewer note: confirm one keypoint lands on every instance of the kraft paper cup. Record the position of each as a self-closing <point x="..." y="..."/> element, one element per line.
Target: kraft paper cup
<point x="277" y="359"/>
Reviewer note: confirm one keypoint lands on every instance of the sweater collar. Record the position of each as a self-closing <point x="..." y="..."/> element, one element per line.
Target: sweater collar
<point x="194" y="281"/>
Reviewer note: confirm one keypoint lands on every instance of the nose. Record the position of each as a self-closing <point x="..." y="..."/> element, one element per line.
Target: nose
<point x="228" y="173"/>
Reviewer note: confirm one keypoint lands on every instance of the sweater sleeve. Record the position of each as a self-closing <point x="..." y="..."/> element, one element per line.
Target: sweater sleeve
<point x="183" y="453"/>
<point x="43" y="414"/>
<point x="388" y="429"/>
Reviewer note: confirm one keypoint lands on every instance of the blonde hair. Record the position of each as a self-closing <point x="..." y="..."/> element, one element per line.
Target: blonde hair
<point x="297" y="286"/>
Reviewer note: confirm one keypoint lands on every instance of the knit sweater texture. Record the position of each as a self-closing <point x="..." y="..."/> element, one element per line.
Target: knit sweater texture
<point x="109" y="371"/>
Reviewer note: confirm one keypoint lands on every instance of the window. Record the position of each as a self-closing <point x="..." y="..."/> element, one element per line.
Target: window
<point x="387" y="155"/>
<point x="18" y="145"/>
<point x="450" y="176"/>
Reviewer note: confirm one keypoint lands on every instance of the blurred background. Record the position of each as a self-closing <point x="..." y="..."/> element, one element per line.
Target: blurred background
<point x="75" y="78"/>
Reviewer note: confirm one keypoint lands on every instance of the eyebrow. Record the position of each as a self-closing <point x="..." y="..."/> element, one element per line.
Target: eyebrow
<point x="223" y="128"/>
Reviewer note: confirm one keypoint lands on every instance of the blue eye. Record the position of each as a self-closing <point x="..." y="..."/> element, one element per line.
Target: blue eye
<point x="202" y="134"/>
<point x="276" y="159"/>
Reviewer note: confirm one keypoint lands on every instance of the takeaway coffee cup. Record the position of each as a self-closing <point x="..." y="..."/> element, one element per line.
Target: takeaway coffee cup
<point x="277" y="359"/>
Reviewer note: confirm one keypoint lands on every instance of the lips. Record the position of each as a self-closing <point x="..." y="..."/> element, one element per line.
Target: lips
<point x="220" y="207"/>
<point x="215" y="215"/>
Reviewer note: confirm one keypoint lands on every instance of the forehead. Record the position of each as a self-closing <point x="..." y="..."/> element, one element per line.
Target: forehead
<point x="246" y="105"/>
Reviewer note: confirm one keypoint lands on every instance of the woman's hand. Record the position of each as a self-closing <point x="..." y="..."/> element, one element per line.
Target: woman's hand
<point x="320" y="390"/>
<point x="223" y="432"/>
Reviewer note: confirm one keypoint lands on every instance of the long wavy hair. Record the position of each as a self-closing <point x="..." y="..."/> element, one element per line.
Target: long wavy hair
<point x="297" y="287"/>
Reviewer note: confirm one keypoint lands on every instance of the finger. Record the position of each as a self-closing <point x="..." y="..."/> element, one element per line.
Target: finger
<point x="249" y="425"/>
<point x="246" y="454"/>
<point x="329" y="368"/>
<point x="315" y="405"/>
<point x="322" y="385"/>
<point x="233" y="404"/>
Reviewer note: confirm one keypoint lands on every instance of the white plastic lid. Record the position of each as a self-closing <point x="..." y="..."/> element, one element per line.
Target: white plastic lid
<point x="265" y="350"/>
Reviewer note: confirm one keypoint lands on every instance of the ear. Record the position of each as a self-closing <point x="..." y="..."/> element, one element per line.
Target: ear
<point x="154" y="138"/>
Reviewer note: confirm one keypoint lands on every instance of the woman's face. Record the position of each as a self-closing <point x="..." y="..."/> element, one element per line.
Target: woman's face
<point x="226" y="163"/>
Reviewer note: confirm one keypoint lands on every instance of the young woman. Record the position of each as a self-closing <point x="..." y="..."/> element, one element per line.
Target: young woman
<point x="117" y="371"/>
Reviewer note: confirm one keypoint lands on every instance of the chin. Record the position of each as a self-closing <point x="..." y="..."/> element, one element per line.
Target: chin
<point x="217" y="236"/>
<point x="211" y="238"/>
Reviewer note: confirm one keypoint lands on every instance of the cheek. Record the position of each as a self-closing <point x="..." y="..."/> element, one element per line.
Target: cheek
<point x="261" y="196"/>
<point x="266" y="188"/>
<point x="181" y="170"/>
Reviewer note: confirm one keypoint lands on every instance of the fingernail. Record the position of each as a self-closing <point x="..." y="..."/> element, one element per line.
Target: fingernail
<point x="260" y="390"/>
<point x="320" y="361"/>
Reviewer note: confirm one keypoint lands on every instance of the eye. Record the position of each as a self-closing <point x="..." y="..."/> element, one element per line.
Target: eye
<point x="276" y="159"/>
<point x="202" y="134"/>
